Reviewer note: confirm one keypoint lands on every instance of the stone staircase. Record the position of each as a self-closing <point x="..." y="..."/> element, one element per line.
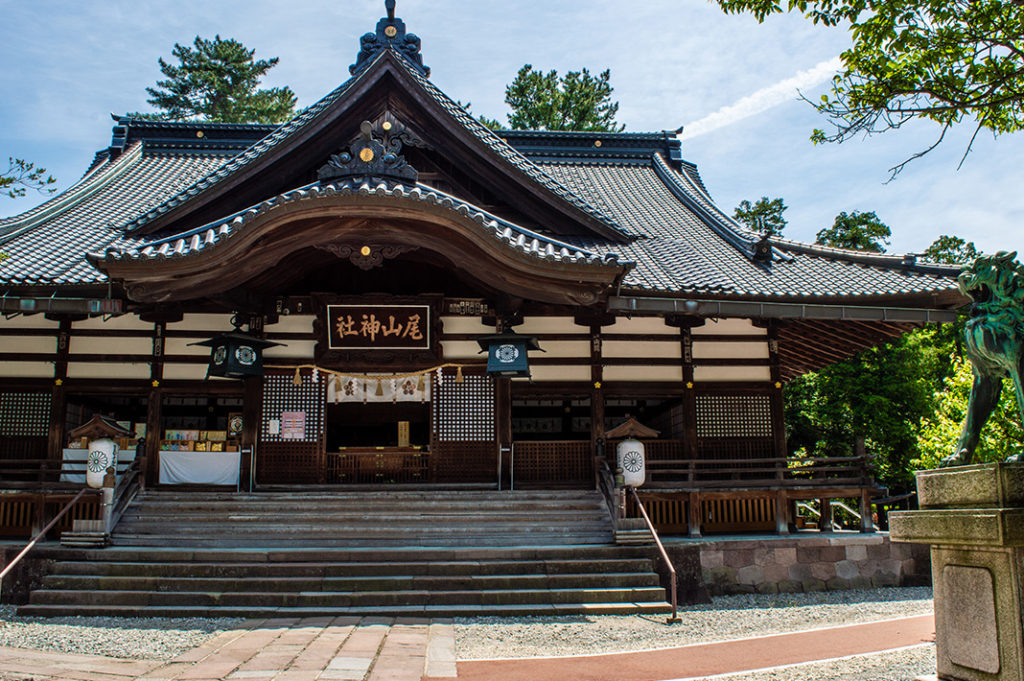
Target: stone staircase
<point x="439" y="518"/>
<point x="427" y="554"/>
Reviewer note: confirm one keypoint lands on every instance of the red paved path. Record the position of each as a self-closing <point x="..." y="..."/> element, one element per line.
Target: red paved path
<point x="711" y="658"/>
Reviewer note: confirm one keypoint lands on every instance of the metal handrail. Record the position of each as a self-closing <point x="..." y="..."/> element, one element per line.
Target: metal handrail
<point x="664" y="555"/>
<point x="607" y="489"/>
<point x="35" y="540"/>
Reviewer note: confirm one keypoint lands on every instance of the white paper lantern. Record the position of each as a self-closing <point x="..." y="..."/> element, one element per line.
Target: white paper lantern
<point x="630" y="458"/>
<point x="102" y="455"/>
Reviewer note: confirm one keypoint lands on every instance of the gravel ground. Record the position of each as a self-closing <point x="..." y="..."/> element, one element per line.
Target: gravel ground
<point x="900" y="665"/>
<point x="133" y="638"/>
<point x="726" y="618"/>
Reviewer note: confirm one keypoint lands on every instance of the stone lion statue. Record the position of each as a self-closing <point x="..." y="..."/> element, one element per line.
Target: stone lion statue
<point x="994" y="339"/>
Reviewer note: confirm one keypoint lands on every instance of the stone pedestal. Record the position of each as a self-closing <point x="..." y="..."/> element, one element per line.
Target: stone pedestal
<point x="973" y="518"/>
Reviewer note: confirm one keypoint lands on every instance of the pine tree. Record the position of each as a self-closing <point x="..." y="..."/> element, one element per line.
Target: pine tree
<point x="217" y="80"/>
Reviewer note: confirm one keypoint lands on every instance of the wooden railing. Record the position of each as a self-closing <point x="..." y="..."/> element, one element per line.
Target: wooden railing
<point x="664" y="555"/>
<point x="768" y="473"/>
<point x="127" y="487"/>
<point x="42" y="533"/>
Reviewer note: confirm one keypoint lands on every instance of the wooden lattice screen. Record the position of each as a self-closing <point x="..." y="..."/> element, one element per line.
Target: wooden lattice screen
<point x="734" y="416"/>
<point x="559" y="463"/>
<point x="463" y="445"/>
<point x="735" y="427"/>
<point x="288" y="456"/>
<point x="24" y="425"/>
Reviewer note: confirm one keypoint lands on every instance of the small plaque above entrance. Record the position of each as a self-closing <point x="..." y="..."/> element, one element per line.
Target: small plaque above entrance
<point x="378" y="327"/>
<point x="376" y="331"/>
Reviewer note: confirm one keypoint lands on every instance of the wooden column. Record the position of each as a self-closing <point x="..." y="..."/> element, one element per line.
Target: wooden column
<point x="778" y="407"/>
<point x="252" y="412"/>
<point x="154" y="409"/>
<point x="685" y="324"/>
<point x="596" y="380"/>
<point x="58" y="399"/>
<point x="503" y="427"/>
<point x="150" y="467"/>
<point x="825" y="520"/>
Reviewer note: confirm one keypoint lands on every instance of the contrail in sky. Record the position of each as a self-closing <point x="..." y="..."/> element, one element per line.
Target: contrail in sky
<point x="763" y="99"/>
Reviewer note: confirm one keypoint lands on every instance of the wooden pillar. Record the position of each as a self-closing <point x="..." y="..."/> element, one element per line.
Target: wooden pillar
<point x="58" y="399"/>
<point x="596" y="379"/>
<point x="695" y="514"/>
<point x="825" y="520"/>
<point x="252" y="412"/>
<point x="150" y="467"/>
<point x="503" y="427"/>
<point x="781" y="513"/>
<point x="778" y="407"/>
<point x="150" y="472"/>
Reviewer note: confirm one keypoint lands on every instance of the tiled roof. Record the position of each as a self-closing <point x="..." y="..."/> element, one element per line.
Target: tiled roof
<point x="300" y="122"/>
<point x="47" y="244"/>
<point x="635" y="183"/>
<point x="209" y="236"/>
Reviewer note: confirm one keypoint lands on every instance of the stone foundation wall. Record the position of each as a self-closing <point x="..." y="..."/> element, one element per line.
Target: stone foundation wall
<point x="812" y="563"/>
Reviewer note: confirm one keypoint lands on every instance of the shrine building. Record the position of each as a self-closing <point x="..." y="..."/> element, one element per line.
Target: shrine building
<point x="384" y="294"/>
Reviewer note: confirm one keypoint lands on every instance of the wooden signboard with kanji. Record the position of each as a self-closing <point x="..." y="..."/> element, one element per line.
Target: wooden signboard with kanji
<point x="378" y="331"/>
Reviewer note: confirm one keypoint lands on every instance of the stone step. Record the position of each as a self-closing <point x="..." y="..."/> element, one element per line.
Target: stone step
<point x="367" y="568"/>
<point x="438" y="541"/>
<point x="412" y="610"/>
<point x="257" y="554"/>
<point x="296" y="584"/>
<point x="329" y="599"/>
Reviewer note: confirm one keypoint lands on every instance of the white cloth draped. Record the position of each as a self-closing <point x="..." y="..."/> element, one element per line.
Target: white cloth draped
<point x="199" y="468"/>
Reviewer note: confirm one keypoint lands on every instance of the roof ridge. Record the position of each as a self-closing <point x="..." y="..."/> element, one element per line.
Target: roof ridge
<point x="866" y="257"/>
<point x="511" y="154"/>
<point x="254" y="151"/>
<point x="518" y="237"/>
<point x="93" y="181"/>
<point x="704" y="208"/>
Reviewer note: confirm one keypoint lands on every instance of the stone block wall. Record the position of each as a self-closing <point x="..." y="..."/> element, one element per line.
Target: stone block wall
<point x="811" y="563"/>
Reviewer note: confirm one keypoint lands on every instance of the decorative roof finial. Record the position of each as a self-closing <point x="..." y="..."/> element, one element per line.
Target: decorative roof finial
<point x="390" y="35"/>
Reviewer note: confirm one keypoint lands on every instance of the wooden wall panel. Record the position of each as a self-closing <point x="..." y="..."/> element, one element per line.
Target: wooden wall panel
<point x="720" y="350"/>
<point x="185" y="372"/>
<point x="127" y="322"/>
<point x="659" y="374"/>
<point x="106" y="345"/>
<point x="28" y="344"/>
<point x="727" y="326"/>
<point x="201" y="325"/>
<point x="26" y="369"/>
<point x="638" y="348"/>
<point x="732" y="373"/>
<point x="107" y="370"/>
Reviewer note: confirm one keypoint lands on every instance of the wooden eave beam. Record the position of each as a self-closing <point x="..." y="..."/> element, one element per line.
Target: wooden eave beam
<point x="260" y="245"/>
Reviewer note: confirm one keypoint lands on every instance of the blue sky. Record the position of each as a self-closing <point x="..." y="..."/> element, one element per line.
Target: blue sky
<point x="730" y="80"/>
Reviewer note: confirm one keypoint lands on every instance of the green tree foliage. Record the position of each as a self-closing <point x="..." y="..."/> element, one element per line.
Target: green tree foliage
<point x="22" y="175"/>
<point x="948" y="61"/>
<point x="577" y="101"/>
<point x="856" y="231"/>
<point x="940" y="429"/>
<point x="883" y="394"/>
<point x="763" y="216"/>
<point x="217" y="80"/>
<point x="951" y="250"/>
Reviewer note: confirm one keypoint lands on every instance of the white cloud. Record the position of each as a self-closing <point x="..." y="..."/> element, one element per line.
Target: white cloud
<point x="764" y="99"/>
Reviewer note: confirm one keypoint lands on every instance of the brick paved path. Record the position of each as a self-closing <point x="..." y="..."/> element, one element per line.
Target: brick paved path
<point x="385" y="649"/>
<point x="324" y="649"/>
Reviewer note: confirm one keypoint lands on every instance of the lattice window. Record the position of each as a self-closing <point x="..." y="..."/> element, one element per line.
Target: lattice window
<point x="734" y="416"/>
<point x="24" y="414"/>
<point x="282" y="396"/>
<point x="464" y="411"/>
